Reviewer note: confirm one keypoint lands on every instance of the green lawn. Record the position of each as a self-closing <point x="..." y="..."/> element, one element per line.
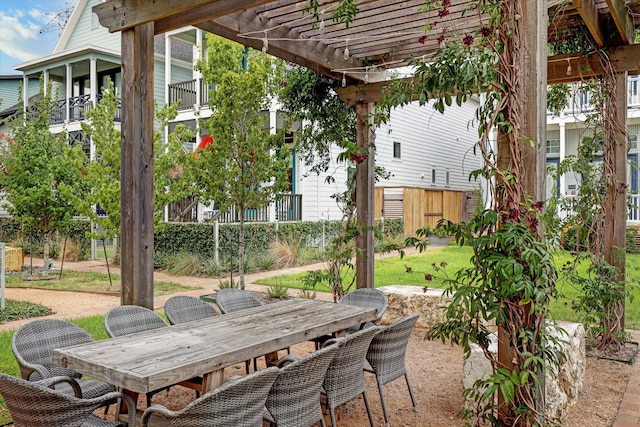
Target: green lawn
<point x="88" y="282"/>
<point x="394" y="271"/>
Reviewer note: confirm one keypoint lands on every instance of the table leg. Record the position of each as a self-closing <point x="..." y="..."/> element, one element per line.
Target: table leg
<point x="271" y="358"/>
<point x="122" y="407"/>
<point x="212" y="380"/>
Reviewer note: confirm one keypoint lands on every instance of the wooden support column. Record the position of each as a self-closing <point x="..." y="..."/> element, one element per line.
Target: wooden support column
<point x="365" y="184"/>
<point x="529" y="71"/>
<point x="364" y="98"/>
<point x="137" y="167"/>
<point x="615" y="241"/>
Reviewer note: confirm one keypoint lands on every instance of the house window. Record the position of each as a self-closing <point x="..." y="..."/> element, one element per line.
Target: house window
<point x="553" y="146"/>
<point x="634" y="142"/>
<point x="447" y="178"/>
<point x="396" y="150"/>
<point x="433" y="176"/>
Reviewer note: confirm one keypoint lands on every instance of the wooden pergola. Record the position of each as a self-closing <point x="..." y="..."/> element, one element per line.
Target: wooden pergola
<point x="383" y="35"/>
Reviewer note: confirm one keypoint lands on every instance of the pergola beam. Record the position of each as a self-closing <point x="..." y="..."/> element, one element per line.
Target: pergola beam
<point x="621" y="18"/>
<point x="589" y="14"/>
<point x="170" y="15"/>
<point x="246" y="29"/>
<point x="571" y="67"/>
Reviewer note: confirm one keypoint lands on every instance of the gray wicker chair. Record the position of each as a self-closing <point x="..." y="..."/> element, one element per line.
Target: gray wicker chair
<point x="238" y="403"/>
<point x="369" y="298"/>
<point x="344" y="379"/>
<point x="184" y="308"/>
<point x="32" y="345"/>
<point x="386" y="354"/>
<point x="36" y="404"/>
<point x="294" y="399"/>
<point x="362" y="297"/>
<point x="231" y="299"/>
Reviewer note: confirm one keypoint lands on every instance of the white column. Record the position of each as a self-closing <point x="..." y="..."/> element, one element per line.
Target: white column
<point x="69" y="88"/>
<point x="25" y="92"/>
<point x="273" y="123"/>
<point x="563" y="153"/>
<point x="93" y="94"/>
<point x="197" y="74"/>
<point x="167" y="81"/>
<point x="46" y="80"/>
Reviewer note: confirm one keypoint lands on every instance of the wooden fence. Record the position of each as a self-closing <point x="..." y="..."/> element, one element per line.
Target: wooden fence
<point x="420" y="206"/>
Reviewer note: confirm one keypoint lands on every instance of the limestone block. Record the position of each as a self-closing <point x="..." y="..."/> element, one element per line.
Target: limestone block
<point x="561" y="388"/>
<point x="14" y="258"/>
<point x="404" y="300"/>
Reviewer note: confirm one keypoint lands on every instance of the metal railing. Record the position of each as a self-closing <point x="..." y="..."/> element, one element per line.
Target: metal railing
<point x="78" y="105"/>
<point x="580" y="102"/>
<point x="185" y="94"/>
<point x="288" y="207"/>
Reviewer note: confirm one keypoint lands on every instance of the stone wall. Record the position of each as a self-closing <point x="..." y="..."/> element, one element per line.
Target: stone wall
<point x="562" y="389"/>
<point x="404" y="300"/>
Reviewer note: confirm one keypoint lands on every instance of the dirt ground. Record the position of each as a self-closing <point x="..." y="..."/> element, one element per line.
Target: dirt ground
<point x="435" y="371"/>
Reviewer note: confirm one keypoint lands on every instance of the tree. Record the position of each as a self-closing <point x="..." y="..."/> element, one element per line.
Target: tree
<point x="245" y="166"/>
<point x="101" y="177"/>
<point x="36" y="164"/>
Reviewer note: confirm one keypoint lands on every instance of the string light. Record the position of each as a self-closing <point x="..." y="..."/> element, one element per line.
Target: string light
<point x="346" y="50"/>
<point x="366" y="75"/>
<point x="321" y="25"/>
<point x="344" y="79"/>
<point x="568" y="67"/>
<point x="265" y="43"/>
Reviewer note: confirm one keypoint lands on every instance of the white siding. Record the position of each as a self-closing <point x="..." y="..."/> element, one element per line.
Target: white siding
<point x="429" y="141"/>
<point x="317" y="203"/>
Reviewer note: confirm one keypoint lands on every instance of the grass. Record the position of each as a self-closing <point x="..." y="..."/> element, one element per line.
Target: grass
<point x="88" y="282"/>
<point x="394" y="271"/>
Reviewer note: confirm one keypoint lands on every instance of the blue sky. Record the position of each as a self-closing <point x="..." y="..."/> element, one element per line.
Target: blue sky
<point x="20" y="25"/>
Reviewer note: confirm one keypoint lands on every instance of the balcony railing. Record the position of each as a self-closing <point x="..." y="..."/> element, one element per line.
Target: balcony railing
<point x="288" y="208"/>
<point x="78" y="105"/>
<point x="185" y="94"/>
<point x="580" y="102"/>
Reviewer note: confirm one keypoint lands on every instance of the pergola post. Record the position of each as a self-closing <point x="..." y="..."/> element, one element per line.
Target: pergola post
<point x="616" y="225"/>
<point x="365" y="184"/>
<point x="137" y="167"/>
<point x="530" y="72"/>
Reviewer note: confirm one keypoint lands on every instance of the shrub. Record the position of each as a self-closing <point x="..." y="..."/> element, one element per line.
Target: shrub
<point x="278" y="291"/>
<point x="185" y="264"/>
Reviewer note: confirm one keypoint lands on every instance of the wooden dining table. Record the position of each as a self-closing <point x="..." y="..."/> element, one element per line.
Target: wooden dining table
<point x="152" y="360"/>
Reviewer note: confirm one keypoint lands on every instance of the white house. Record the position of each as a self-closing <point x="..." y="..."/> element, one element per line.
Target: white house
<point x="420" y="147"/>
<point x="565" y="131"/>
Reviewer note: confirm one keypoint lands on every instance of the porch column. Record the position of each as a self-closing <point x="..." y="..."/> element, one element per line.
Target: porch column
<point x="137" y="166"/>
<point x="167" y="81"/>
<point x="69" y="91"/>
<point x="93" y="94"/>
<point x="46" y="80"/>
<point x="563" y="154"/>
<point x="25" y="92"/>
<point x="273" y="124"/>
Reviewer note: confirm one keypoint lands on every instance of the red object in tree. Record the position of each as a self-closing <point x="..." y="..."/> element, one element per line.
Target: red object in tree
<point x="206" y="140"/>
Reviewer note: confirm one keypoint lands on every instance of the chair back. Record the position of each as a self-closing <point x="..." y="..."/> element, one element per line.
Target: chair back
<point x="184" y="308"/>
<point x="129" y="319"/>
<point x="367" y="297"/>
<point x="344" y="379"/>
<point x="231" y="299"/>
<point x="388" y="348"/>
<point x="34" y="404"/>
<point x="33" y="344"/>
<point x="294" y="399"/>
<point x="238" y="403"/>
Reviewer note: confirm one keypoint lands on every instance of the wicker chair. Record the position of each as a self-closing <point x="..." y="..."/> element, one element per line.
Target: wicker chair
<point x="231" y="299"/>
<point x="183" y="308"/>
<point x="386" y="354"/>
<point x="238" y="403"/>
<point x="36" y="404"/>
<point x="369" y="298"/>
<point x="32" y="345"/>
<point x="345" y="377"/>
<point x="294" y="399"/>
<point x="362" y="297"/>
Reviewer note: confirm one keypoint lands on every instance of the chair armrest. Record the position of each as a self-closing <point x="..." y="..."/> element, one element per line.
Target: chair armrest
<point x="28" y="368"/>
<point x="155" y="409"/>
<point x="285" y="360"/>
<point x="52" y="381"/>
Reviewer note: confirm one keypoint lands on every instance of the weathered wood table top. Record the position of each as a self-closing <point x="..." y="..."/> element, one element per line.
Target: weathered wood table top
<point x="151" y="360"/>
